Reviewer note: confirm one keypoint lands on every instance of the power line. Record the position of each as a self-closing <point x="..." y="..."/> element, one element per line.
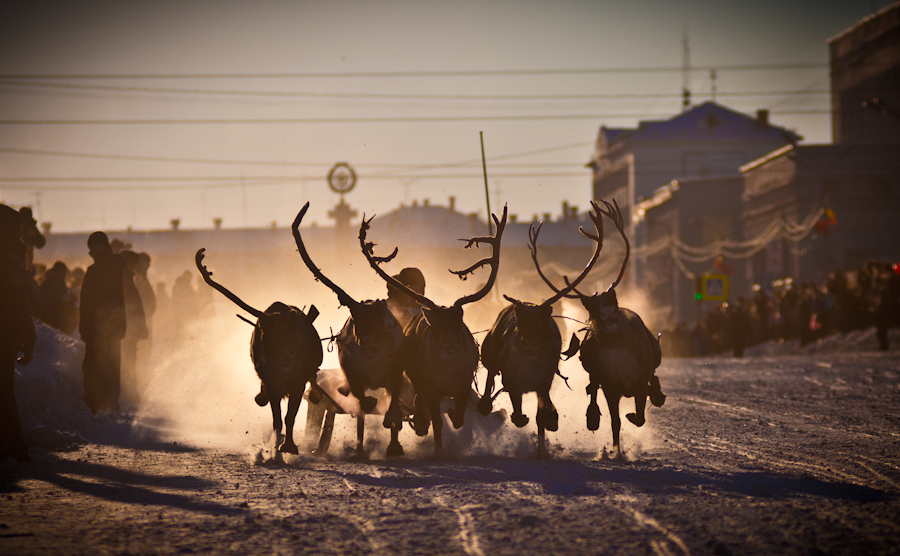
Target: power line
<point x="449" y="73"/>
<point x="402" y="167"/>
<point x="219" y="182"/>
<point x="335" y="95"/>
<point x="424" y="119"/>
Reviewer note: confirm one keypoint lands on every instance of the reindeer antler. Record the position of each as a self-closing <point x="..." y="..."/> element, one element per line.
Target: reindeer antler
<point x="343" y="297"/>
<point x="615" y="214"/>
<point x="207" y="277"/>
<point x="374" y="262"/>
<point x="570" y="285"/>
<point x="493" y="261"/>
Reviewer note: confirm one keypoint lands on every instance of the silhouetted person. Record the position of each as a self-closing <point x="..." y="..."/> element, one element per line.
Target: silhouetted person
<point x="888" y="313"/>
<point x="739" y="328"/>
<point x="31" y="237"/>
<point x="402" y="306"/>
<point x="135" y="327"/>
<point x="57" y="300"/>
<point x="102" y="325"/>
<point x="16" y="330"/>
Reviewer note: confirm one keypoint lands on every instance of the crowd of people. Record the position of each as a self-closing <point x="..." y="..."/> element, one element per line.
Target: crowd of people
<point x="846" y="301"/>
<point x="110" y="306"/>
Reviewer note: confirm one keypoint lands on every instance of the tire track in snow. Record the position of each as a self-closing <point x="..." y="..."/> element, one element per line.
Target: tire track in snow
<point x="877" y="474"/>
<point x="467" y="535"/>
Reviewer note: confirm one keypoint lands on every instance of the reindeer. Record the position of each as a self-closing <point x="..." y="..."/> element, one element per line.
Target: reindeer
<point x="523" y="347"/>
<point x="443" y="353"/>
<point x="286" y="353"/>
<point x="619" y="353"/>
<point x="371" y="351"/>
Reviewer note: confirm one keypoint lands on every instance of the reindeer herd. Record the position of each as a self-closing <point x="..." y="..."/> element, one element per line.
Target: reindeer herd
<point x="436" y="356"/>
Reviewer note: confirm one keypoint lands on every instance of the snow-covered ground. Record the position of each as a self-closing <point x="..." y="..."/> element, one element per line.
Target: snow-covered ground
<point x="770" y="454"/>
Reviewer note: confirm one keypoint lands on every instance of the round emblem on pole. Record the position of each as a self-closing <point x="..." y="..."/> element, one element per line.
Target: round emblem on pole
<point x="341" y="178"/>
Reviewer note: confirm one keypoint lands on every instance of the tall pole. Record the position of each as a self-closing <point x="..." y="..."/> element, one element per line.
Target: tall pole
<point x="487" y="194"/>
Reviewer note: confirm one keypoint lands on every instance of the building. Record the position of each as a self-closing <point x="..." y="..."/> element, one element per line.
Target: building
<point x="865" y="80"/>
<point x="860" y="183"/>
<point x="689" y="213"/>
<point x="708" y="141"/>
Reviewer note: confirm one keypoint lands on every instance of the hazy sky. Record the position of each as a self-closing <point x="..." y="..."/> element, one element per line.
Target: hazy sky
<point x="139" y="88"/>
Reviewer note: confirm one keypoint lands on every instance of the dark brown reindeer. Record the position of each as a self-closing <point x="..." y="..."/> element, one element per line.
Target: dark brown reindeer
<point x="286" y="353"/>
<point x="619" y="353"/>
<point x="524" y="344"/>
<point x="443" y="354"/>
<point x="371" y="352"/>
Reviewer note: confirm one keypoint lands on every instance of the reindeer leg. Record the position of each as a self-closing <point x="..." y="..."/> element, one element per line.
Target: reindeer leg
<point x="437" y="423"/>
<point x="366" y="403"/>
<point x="593" y="410"/>
<point x="547" y="416"/>
<point x="422" y="417"/>
<point x="612" y="401"/>
<point x="288" y="445"/>
<point x="485" y="404"/>
<point x="327" y="431"/>
<point x="458" y="413"/>
<point x="640" y="404"/>
<point x="275" y="405"/>
<point x="394" y="449"/>
<point x="360" y="433"/>
<point x="518" y="418"/>
<point x="541" y="443"/>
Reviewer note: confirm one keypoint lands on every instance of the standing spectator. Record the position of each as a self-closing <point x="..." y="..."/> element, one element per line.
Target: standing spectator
<point x="739" y="328"/>
<point x="102" y="325"/>
<point x="135" y="327"/>
<point x="16" y="330"/>
<point x="31" y="237"/>
<point x="57" y="300"/>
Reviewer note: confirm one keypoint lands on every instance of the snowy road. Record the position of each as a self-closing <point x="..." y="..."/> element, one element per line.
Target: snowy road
<point x="789" y="455"/>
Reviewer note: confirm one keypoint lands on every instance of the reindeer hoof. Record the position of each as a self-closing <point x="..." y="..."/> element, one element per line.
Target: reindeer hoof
<point x="458" y="420"/>
<point x="393" y="418"/>
<point x="548" y="418"/>
<point x="593" y="417"/>
<point x="485" y="406"/>
<point x="635" y="420"/>
<point x="519" y="419"/>
<point x="289" y="448"/>
<point x="420" y="425"/>
<point x="367" y="403"/>
<point x="657" y="397"/>
<point x="261" y="399"/>
<point x="394" y="450"/>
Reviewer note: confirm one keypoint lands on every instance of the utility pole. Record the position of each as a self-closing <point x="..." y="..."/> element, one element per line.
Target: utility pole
<point x="686" y="71"/>
<point x="712" y="79"/>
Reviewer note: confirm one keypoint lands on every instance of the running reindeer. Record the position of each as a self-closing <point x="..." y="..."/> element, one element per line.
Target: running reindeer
<point x="443" y="353"/>
<point x="524" y="343"/>
<point x="619" y="353"/>
<point x="286" y="353"/>
<point x="371" y="351"/>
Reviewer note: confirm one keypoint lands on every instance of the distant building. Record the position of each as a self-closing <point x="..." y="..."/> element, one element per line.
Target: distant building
<point x="859" y="183"/>
<point x="695" y="212"/>
<point x="708" y="141"/>
<point x="865" y="68"/>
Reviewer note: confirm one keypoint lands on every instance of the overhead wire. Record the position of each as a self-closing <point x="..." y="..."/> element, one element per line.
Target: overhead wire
<point x="430" y="73"/>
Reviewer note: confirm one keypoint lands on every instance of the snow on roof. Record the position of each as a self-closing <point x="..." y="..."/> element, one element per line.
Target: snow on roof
<point x="705" y="121"/>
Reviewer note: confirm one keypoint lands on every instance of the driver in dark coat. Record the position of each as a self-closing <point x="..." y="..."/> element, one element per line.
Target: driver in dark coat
<point x="16" y="330"/>
<point x="102" y="325"/>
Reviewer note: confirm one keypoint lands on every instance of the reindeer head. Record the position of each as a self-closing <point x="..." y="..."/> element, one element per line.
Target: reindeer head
<point x="533" y="234"/>
<point x="446" y="322"/>
<point x="602" y="308"/>
<point x="372" y="321"/>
